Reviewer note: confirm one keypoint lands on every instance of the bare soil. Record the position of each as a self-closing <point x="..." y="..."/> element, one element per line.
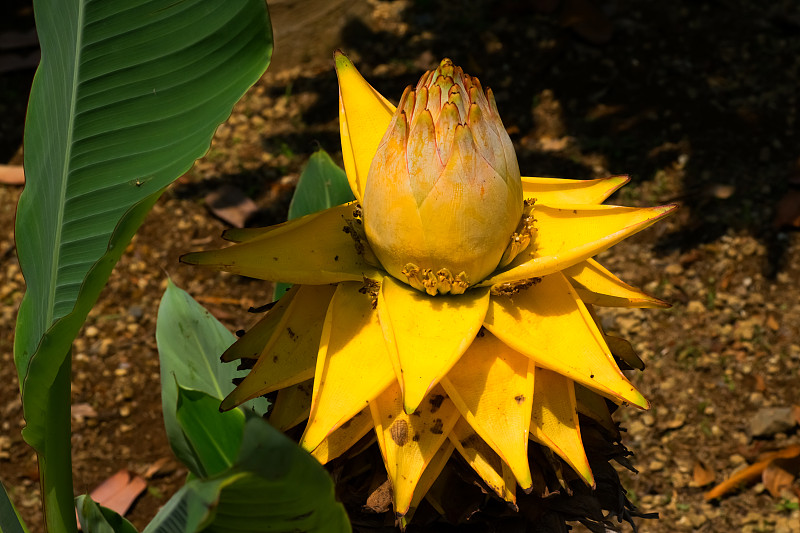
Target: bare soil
<point x="696" y="100"/>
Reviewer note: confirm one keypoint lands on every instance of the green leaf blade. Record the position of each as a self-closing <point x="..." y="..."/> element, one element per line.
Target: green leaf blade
<point x="215" y="437"/>
<point x="127" y="96"/>
<point x="190" y="342"/>
<point x="10" y="521"/>
<point x="322" y="184"/>
<point x="274" y="485"/>
<point x="95" y="518"/>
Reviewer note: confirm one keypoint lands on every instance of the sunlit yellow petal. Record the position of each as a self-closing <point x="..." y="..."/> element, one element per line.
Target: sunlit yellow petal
<point x="353" y="366"/>
<point x="492" y="386"/>
<point x="566" y="235"/>
<point x="313" y="249"/>
<point x="555" y="421"/>
<point x="596" y="285"/>
<point x="549" y="324"/>
<point x="364" y="116"/>
<point x="409" y="442"/>
<point x="290" y="355"/>
<point x="292" y="405"/>
<point x="566" y="191"/>
<point x="426" y="335"/>
<point x="483" y="460"/>
<point x="430" y="475"/>
<point x="595" y="407"/>
<point x="252" y="343"/>
<point x="344" y="438"/>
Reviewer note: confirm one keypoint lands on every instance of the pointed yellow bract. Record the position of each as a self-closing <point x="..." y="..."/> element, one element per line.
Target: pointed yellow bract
<point x="252" y="343"/>
<point x="450" y="307"/>
<point x="441" y="328"/>
<point x="312" y="250"/>
<point x="430" y="475"/>
<point x="549" y="324"/>
<point x="344" y="438"/>
<point x="552" y="191"/>
<point x="596" y="285"/>
<point x="364" y="116"/>
<point x="567" y="235"/>
<point x="409" y="442"/>
<point x="290" y="355"/>
<point x="594" y="406"/>
<point x="292" y="405"/>
<point x="555" y="421"/>
<point x="483" y="460"/>
<point x="492" y="386"/>
<point x="353" y="366"/>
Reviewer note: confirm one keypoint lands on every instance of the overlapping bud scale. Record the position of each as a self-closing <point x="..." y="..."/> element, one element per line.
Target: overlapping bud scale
<point x="443" y="194"/>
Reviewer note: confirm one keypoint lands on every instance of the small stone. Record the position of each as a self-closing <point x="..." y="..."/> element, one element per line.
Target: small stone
<point x="92" y="331"/>
<point x="655" y="466"/>
<point x="678" y="421"/>
<point x="772" y="323"/>
<point x="736" y="459"/>
<point x="771" y="420"/>
<point x="696" y="307"/>
<point x="697" y="520"/>
<point x="673" y="269"/>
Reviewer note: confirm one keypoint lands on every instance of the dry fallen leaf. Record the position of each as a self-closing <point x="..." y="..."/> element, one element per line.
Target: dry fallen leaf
<point x="12" y="175"/>
<point x="772" y="323"/>
<point x="779" y="475"/>
<point x="231" y="205"/>
<point x="754" y="471"/>
<point x="796" y="412"/>
<point x="161" y="466"/>
<point x="761" y="385"/>
<point x="119" y="491"/>
<point x="81" y="411"/>
<point x="702" y="475"/>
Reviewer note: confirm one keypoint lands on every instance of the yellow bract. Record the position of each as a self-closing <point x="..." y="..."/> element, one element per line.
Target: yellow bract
<point x="384" y="333"/>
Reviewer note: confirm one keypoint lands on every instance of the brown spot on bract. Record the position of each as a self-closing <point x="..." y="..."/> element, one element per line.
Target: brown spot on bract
<point x="437" y="428"/>
<point x="436" y="402"/>
<point x="519" y="398"/>
<point x="336" y="258"/>
<point x="399" y="432"/>
<point x="274" y="358"/>
<point x="292" y="334"/>
<point x="346" y="424"/>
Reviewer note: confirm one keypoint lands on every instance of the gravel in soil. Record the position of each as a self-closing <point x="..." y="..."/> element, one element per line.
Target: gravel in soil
<point x="695" y="100"/>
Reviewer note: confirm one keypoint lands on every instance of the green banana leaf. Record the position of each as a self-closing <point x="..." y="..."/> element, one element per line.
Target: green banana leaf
<point x="95" y="518"/>
<point x="322" y="184"/>
<point x="190" y="342"/>
<point x="215" y="437"/>
<point x="10" y="521"/>
<point x="274" y="485"/>
<point x="128" y="94"/>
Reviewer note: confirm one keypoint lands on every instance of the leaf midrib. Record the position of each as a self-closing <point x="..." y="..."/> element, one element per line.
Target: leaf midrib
<point x="51" y="296"/>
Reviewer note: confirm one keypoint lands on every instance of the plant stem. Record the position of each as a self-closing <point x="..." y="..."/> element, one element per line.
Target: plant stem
<point x="55" y="459"/>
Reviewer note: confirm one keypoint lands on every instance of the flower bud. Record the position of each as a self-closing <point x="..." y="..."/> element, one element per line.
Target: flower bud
<point x="443" y="194"/>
